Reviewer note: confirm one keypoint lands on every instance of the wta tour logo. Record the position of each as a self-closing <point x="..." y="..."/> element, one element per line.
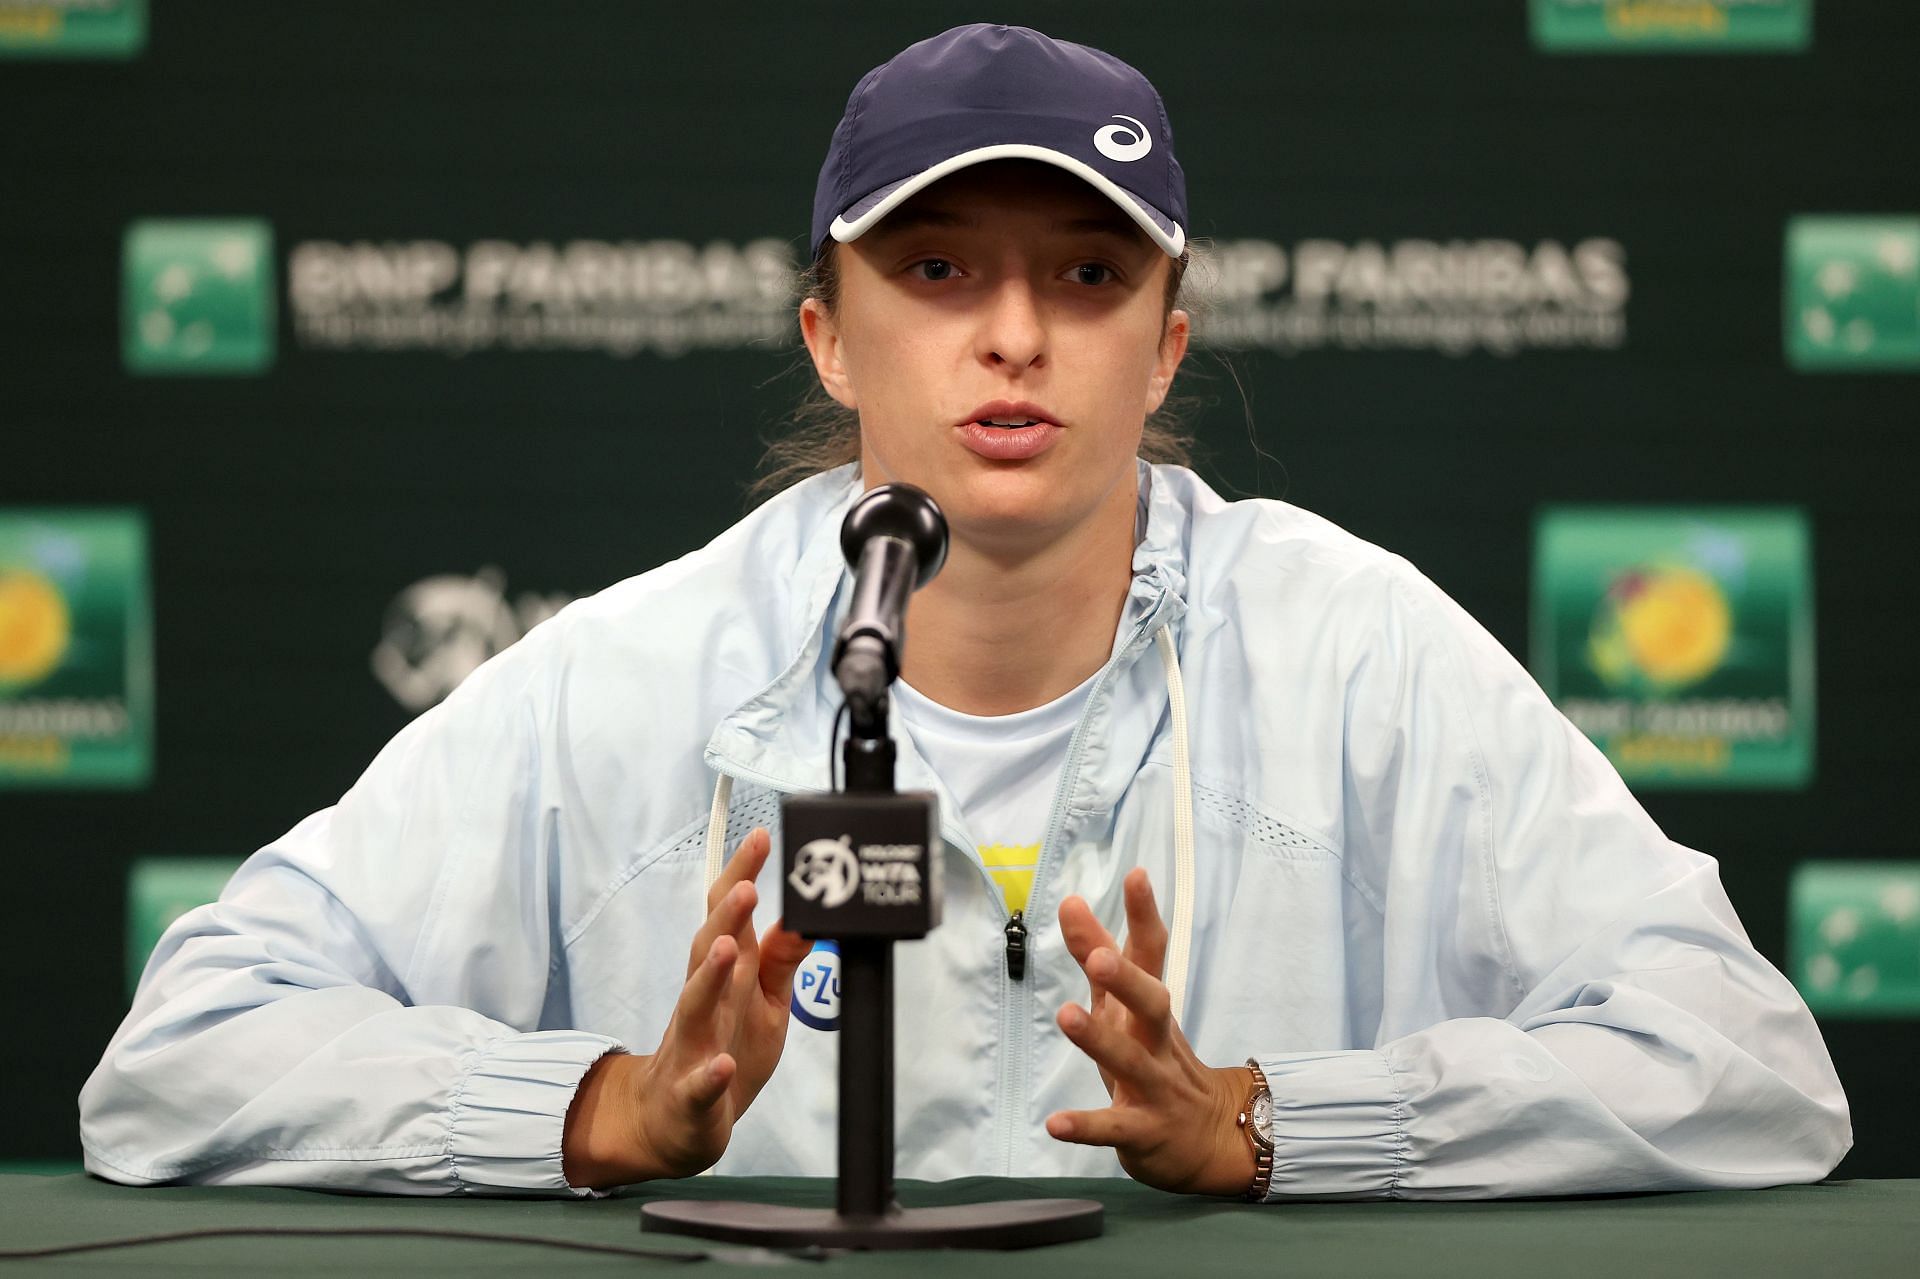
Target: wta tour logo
<point x="72" y="28"/>
<point x="439" y="630"/>
<point x="1853" y="293"/>
<point x="76" y="649"/>
<point x="1855" y="937"/>
<point x="1671" y="26"/>
<point x="1680" y="642"/>
<point x="197" y="296"/>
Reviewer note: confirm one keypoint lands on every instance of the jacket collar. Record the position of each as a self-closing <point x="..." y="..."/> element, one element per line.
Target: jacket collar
<point x="779" y="737"/>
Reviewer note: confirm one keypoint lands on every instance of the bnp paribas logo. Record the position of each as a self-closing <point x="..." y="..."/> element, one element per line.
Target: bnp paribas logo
<point x="1853" y="293"/>
<point x="1680" y="641"/>
<point x="197" y="296"/>
<point x="72" y="28"/>
<point x="76" y="649"/>
<point x="1855" y="937"/>
<point x="1671" y="26"/>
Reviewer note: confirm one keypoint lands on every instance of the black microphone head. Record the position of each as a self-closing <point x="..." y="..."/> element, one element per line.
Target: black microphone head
<point x="902" y="511"/>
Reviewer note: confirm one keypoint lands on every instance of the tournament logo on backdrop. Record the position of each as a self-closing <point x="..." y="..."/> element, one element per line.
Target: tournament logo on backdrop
<point x="1854" y="937"/>
<point x="197" y="296"/>
<point x="1853" y="293"/>
<point x="439" y="630"/>
<point x="1670" y="26"/>
<point x="76" y="649"/>
<point x="1455" y="297"/>
<point x="72" y="28"/>
<point x="1680" y="641"/>
<point x="665" y="297"/>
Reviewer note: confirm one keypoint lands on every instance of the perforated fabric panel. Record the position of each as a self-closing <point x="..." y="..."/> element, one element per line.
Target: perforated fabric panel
<point x="1255" y="824"/>
<point x="751" y="806"/>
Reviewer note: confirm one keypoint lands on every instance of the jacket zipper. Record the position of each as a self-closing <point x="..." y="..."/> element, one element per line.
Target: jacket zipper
<point x="1018" y="1001"/>
<point x="1017" y="946"/>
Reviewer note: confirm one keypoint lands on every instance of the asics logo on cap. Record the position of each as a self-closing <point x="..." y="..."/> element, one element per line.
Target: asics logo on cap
<point x="1117" y="142"/>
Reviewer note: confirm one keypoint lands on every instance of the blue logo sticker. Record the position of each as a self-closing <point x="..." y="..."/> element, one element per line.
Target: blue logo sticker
<point x="816" y="987"/>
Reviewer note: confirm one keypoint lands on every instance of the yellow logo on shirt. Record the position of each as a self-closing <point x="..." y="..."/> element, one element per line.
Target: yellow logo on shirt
<point x="1012" y="867"/>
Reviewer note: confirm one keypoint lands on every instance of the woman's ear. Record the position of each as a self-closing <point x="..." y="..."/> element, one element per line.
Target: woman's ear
<point x="822" y="336"/>
<point x="1173" y="349"/>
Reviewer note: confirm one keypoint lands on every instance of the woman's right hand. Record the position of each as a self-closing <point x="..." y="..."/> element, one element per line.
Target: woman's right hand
<point x="670" y="1114"/>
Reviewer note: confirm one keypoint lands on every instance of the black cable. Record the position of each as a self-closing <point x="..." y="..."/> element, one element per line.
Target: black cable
<point x="833" y="754"/>
<point x="653" y="1254"/>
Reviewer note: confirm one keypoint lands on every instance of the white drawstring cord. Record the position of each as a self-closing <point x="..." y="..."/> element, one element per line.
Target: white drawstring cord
<point x="1182" y="942"/>
<point x="717" y="829"/>
<point x="717" y="843"/>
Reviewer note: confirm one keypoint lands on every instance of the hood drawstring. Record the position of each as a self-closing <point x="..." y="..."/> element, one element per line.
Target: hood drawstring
<point x="717" y="829"/>
<point x="1180" y="944"/>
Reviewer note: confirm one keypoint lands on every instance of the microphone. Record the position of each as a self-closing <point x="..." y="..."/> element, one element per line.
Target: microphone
<point x="895" y="539"/>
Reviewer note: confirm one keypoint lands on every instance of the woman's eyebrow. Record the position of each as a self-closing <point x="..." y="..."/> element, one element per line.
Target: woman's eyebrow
<point x="911" y="219"/>
<point x="1111" y="224"/>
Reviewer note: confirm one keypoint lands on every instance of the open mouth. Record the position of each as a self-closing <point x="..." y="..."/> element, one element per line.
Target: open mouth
<point x="1006" y="424"/>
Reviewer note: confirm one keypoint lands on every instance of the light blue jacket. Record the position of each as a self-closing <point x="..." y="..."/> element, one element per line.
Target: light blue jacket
<point x="1468" y="962"/>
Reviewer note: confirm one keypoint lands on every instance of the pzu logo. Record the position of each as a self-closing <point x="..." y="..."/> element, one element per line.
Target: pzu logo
<point x="816" y="987"/>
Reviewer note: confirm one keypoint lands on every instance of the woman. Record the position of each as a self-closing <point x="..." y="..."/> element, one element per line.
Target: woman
<point x="1418" y="927"/>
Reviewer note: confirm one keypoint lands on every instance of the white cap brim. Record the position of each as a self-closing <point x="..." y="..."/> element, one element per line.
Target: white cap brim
<point x="869" y="209"/>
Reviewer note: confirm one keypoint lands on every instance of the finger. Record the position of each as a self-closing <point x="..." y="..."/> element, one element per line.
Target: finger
<point x="702" y="1018"/>
<point x="781" y="954"/>
<point x="1081" y="930"/>
<point x="1139" y="992"/>
<point x="1146" y="932"/>
<point x="706" y="1083"/>
<point x="728" y="915"/>
<point x="744" y="866"/>
<point x="1109" y="1127"/>
<point x="1111" y="1048"/>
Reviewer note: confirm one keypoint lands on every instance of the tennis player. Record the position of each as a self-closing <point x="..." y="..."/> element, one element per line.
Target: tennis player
<point x="1269" y="873"/>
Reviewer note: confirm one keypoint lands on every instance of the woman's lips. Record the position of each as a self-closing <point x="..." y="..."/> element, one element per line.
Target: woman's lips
<point x="1009" y="443"/>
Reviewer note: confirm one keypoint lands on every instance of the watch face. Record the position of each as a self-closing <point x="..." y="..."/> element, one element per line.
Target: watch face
<point x="1263" y="1117"/>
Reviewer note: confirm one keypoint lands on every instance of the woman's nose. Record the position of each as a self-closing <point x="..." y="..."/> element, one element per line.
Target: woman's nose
<point x="1013" y="334"/>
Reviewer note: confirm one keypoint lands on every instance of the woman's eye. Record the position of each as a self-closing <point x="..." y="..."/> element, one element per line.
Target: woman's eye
<point x="934" y="269"/>
<point x="1092" y="273"/>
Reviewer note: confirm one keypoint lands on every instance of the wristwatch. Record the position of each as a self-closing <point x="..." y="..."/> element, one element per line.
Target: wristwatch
<point x="1256" y="1118"/>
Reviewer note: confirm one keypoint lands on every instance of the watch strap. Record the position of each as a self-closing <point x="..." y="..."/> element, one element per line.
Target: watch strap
<point x="1262" y="1150"/>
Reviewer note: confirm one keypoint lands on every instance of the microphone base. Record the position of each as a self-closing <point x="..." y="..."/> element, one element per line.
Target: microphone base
<point x="1014" y="1223"/>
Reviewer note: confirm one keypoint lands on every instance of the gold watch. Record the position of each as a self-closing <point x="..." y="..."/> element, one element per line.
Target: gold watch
<point x="1256" y="1119"/>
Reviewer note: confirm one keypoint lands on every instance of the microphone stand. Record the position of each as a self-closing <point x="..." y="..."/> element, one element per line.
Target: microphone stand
<point x="881" y="824"/>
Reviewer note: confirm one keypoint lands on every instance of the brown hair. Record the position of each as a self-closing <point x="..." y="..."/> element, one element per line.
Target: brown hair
<point x="821" y="433"/>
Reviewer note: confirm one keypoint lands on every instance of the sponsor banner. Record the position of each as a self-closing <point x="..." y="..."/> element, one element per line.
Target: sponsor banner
<point x="1454" y="296"/>
<point x="1680" y="641"/>
<point x="625" y="298"/>
<point x="197" y="296"/>
<point x="1671" y="26"/>
<point x="438" y="631"/>
<point x="76" y="649"/>
<point x="72" y="28"/>
<point x="1853" y="293"/>
<point x="159" y="891"/>
<point x="1854" y="943"/>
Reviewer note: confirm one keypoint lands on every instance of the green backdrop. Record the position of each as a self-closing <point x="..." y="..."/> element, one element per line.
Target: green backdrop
<point x="395" y="325"/>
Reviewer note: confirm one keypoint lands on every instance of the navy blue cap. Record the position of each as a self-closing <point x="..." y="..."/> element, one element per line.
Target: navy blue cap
<point x="987" y="92"/>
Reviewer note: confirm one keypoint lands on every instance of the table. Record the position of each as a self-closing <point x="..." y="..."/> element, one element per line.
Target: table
<point x="1852" y="1229"/>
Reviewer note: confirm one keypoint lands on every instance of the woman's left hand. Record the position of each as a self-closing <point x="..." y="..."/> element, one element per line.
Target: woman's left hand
<point x="1173" y="1118"/>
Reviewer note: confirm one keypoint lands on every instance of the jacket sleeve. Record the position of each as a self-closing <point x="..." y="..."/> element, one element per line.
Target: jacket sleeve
<point x="1610" y="1025"/>
<point x="358" y="1010"/>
